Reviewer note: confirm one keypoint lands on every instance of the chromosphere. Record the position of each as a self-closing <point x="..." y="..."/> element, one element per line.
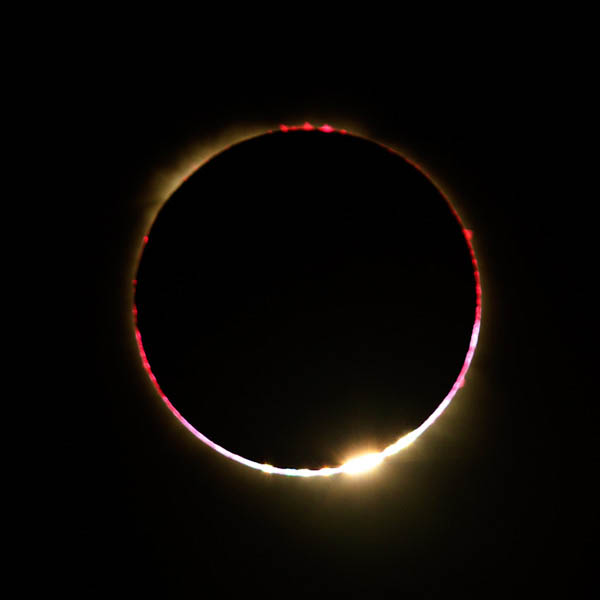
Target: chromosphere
<point x="307" y="297"/>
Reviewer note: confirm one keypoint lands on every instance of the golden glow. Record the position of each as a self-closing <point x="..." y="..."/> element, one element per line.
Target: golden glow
<point x="363" y="463"/>
<point x="402" y="443"/>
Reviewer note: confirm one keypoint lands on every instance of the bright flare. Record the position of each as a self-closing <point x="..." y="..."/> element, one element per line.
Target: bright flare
<point x="360" y="464"/>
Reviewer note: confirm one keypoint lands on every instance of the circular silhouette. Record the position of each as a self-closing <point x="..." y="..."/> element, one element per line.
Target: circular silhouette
<point x="306" y="296"/>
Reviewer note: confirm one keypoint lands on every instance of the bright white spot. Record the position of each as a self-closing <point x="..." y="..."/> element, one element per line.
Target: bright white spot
<point x="360" y="464"/>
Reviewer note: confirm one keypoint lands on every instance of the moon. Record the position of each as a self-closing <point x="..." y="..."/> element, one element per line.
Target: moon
<point x="359" y="462"/>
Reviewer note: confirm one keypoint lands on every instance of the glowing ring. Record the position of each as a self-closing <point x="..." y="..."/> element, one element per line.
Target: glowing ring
<point x="364" y="462"/>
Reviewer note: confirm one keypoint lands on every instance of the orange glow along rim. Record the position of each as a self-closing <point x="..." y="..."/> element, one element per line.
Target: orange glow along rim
<point x="359" y="463"/>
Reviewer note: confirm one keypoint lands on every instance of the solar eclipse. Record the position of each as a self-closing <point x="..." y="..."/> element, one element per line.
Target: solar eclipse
<point x="309" y="302"/>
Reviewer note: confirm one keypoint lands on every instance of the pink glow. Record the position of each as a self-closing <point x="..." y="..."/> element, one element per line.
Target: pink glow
<point x="351" y="465"/>
<point x="309" y="127"/>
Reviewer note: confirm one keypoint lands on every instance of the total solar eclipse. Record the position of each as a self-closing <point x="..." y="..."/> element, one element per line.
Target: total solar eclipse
<point x="307" y="302"/>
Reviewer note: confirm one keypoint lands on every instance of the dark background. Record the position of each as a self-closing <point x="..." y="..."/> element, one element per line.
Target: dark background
<point x="491" y="501"/>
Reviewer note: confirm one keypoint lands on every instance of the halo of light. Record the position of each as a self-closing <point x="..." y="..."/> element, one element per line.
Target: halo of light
<point x="365" y="462"/>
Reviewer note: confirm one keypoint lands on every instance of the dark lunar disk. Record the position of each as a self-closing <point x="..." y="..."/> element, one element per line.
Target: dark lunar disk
<point x="304" y="297"/>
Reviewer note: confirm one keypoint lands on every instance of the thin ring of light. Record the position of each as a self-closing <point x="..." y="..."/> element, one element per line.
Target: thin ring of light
<point x="364" y="462"/>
